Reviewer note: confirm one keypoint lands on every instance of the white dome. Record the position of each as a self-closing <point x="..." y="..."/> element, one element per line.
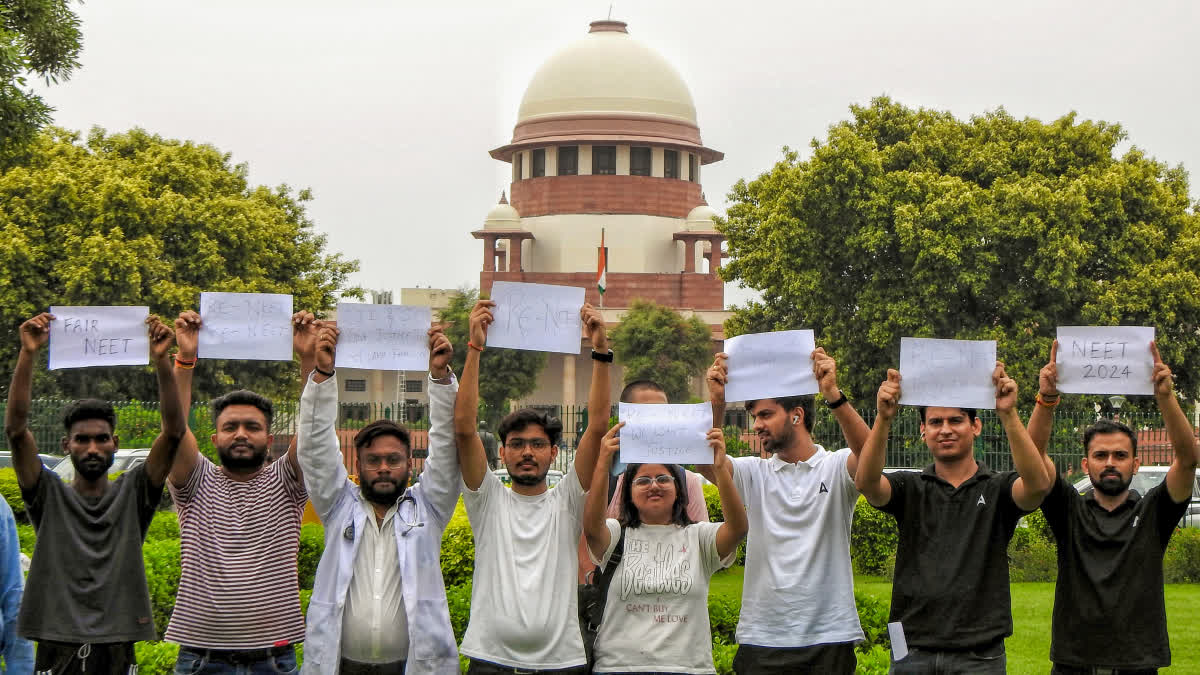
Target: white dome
<point x="607" y="72"/>
<point x="502" y="216"/>
<point x="701" y="218"/>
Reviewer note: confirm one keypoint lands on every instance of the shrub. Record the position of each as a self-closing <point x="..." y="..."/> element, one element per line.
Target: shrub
<point x="458" y="550"/>
<point x="1032" y="555"/>
<point x="458" y="599"/>
<point x="12" y="494"/>
<point x="723" y="615"/>
<point x="723" y="652"/>
<point x="1181" y="564"/>
<point x="161" y="559"/>
<point x="873" y="539"/>
<point x="155" y="658"/>
<point x="164" y="526"/>
<point x="312" y="545"/>
<point x="28" y="537"/>
<point x="712" y="501"/>
<point x="876" y="661"/>
<point x="873" y="615"/>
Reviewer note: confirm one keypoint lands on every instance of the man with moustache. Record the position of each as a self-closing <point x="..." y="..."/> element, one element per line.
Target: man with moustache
<point x="379" y="603"/>
<point x="238" y="606"/>
<point x="1111" y="540"/>
<point x="86" y="601"/>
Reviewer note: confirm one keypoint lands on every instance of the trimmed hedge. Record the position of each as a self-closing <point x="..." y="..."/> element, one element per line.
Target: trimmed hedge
<point x="1182" y="562"/>
<point x="873" y="539"/>
<point x="11" y="492"/>
<point x="458" y="550"/>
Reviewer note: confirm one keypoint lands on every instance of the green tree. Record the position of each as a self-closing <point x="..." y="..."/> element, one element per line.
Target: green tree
<point x="654" y="342"/>
<point x="38" y="38"/>
<point x="910" y="222"/>
<point x="504" y="374"/>
<point x="132" y="219"/>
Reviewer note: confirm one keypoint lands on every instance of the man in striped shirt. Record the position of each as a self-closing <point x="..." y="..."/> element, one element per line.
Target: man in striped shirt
<point x="238" y="607"/>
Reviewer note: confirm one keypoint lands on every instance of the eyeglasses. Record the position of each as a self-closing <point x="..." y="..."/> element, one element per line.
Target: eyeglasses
<point x="376" y="461"/>
<point x="533" y="443"/>
<point x="662" y="479"/>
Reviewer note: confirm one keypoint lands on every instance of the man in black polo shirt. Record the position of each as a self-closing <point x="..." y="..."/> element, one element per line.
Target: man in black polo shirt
<point x="1111" y="540"/>
<point x="950" y="592"/>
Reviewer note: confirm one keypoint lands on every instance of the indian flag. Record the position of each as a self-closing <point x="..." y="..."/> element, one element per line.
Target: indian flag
<point x="601" y="266"/>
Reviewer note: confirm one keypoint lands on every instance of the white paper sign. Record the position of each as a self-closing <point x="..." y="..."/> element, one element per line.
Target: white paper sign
<point x="536" y="317"/>
<point x="98" y="336"/>
<point x="770" y="365"/>
<point x="1105" y="360"/>
<point x="248" y="326"/>
<point x="666" y="433"/>
<point x="383" y="337"/>
<point x="949" y="373"/>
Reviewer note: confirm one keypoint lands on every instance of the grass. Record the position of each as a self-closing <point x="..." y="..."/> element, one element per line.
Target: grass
<point x="1029" y="647"/>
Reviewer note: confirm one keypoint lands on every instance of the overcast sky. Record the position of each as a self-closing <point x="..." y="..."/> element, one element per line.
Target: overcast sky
<point x="387" y="109"/>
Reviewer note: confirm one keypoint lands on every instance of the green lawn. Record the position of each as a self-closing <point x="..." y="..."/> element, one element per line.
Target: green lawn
<point x="1029" y="646"/>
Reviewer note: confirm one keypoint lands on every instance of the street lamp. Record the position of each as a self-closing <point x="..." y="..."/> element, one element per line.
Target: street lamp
<point x="1116" y="402"/>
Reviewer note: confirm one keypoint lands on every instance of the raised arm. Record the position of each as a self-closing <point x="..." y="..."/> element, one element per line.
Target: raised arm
<point x="868" y="477"/>
<point x="34" y="334"/>
<point x="853" y="427"/>
<point x="472" y="458"/>
<point x="187" y="336"/>
<point x="1041" y="420"/>
<point x="733" y="530"/>
<point x="1033" y="480"/>
<point x="306" y="330"/>
<point x="716" y="377"/>
<point x="599" y="397"/>
<point x="174" y="419"/>
<point x="1182" y="474"/>
<point x="317" y="449"/>
<point x="440" y="478"/>
<point x="595" y="531"/>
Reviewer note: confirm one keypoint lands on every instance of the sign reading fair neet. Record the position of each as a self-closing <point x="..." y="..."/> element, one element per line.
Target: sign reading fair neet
<point x="770" y="365"/>
<point x="666" y="433"/>
<point x="383" y="337"/>
<point x="537" y="317"/>
<point x="1105" y="360"/>
<point x="98" y="336"/>
<point x="948" y="373"/>
<point x="248" y="326"/>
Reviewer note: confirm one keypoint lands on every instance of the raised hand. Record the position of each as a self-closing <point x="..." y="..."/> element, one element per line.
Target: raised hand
<point x="611" y="443"/>
<point x="593" y="324"/>
<point x="825" y="370"/>
<point x="187" y="334"/>
<point x="36" y="332"/>
<point x="1164" y="381"/>
<point x="1006" y="389"/>
<point x="481" y="318"/>
<point x="1048" y="376"/>
<point x="325" y="346"/>
<point x="161" y="337"/>
<point x="717" y="377"/>
<point x="440" y="352"/>
<point x="716" y="439"/>
<point x="305" y="329"/>
<point x="888" y="398"/>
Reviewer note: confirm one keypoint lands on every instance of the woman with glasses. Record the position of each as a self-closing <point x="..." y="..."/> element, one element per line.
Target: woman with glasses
<point x="656" y="615"/>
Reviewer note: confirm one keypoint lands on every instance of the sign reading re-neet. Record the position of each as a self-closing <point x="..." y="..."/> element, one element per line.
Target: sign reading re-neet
<point x="770" y="365"/>
<point x="950" y="373"/>
<point x="98" y="336"/>
<point x="383" y="337"/>
<point x="248" y="326"/>
<point x="537" y="317"/>
<point x="666" y="433"/>
<point x="1105" y="360"/>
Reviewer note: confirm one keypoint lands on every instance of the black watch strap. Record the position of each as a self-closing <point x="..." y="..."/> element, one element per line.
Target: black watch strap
<point x="833" y="405"/>
<point x="606" y="357"/>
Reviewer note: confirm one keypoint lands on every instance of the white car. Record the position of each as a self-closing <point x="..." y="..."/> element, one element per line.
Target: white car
<point x="552" y="477"/>
<point x="124" y="461"/>
<point x="1145" y="479"/>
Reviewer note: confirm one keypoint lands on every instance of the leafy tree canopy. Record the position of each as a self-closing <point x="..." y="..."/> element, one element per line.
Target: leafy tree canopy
<point x="654" y="342"/>
<point x="504" y="374"/>
<point x="133" y="219"/>
<point x="909" y="222"/>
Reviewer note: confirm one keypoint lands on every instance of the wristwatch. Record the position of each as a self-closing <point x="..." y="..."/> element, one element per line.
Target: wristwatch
<point x="833" y="405"/>
<point x="606" y="357"/>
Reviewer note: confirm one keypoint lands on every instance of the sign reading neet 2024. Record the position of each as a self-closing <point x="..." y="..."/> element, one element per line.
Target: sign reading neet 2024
<point x="383" y="337"/>
<point x="247" y="326"/>
<point x="770" y="365"/>
<point x="537" y="317"/>
<point x="98" y="336"/>
<point x="948" y="373"/>
<point x="666" y="433"/>
<point x="1105" y="360"/>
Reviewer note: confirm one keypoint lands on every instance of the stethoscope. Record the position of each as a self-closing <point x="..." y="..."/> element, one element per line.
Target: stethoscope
<point x="348" y="533"/>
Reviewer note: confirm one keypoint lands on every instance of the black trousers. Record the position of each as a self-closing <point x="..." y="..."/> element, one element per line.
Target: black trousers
<point x="349" y="667"/>
<point x="478" y="667"/>
<point x="67" y="658"/>
<point x="835" y="658"/>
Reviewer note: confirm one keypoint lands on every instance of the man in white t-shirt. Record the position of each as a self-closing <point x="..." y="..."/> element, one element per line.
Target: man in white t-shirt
<point x="798" y="612"/>
<point x="524" y="615"/>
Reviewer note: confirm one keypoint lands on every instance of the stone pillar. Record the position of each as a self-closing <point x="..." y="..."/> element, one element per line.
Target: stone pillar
<point x="689" y="255"/>
<point x="514" y="254"/>
<point x="714" y="255"/>
<point x="489" y="253"/>
<point x="568" y="383"/>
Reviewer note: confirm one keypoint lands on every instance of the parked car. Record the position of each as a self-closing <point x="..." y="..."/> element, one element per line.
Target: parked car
<point x="124" y="461"/>
<point x="1149" y="476"/>
<point x="50" y="461"/>
<point x="552" y="477"/>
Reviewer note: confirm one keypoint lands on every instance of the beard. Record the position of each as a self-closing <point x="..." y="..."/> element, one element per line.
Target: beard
<point x="527" y="479"/>
<point x="92" y="467"/>
<point x="776" y="443"/>
<point x="1111" y="483"/>
<point x="256" y="459"/>
<point x="383" y="490"/>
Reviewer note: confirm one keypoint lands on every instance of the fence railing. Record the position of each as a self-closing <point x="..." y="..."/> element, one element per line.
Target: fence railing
<point x="138" y="423"/>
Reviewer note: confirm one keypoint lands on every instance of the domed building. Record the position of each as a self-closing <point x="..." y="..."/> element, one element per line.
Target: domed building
<point x="606" y="139"/>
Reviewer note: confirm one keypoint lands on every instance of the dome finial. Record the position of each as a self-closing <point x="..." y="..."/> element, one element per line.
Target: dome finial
<point x="503" y="199"/>
<point x="607" y="26"/>
<point x="703" y="199"/>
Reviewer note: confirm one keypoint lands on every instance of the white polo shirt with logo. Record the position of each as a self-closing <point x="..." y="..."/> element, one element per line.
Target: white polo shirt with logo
<point x="799" y="586"/>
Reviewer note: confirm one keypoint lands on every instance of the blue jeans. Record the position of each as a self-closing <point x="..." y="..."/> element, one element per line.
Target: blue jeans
<point x="203" y="662"/>
<point x="986" y="660"/>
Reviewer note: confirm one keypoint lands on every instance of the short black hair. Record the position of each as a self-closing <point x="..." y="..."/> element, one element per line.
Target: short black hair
<point x="243" y="397"/>
<point x="805" y="403"/>
<point x="522" y="418"/>
<point x="367" y="435"/>
<point x="972" y="413"/>
<point x="89" y="409"/>
<point x="640" y="385"/>
<point x="629" y="515"/>
<point x="1104" y="426"/>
